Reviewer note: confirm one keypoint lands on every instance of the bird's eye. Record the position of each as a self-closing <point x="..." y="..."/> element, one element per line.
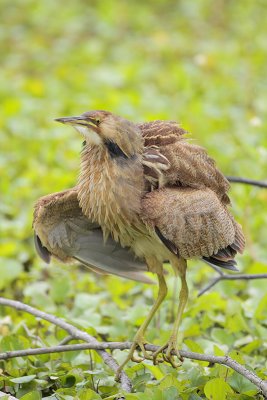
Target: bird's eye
<point x="97" y="121"/>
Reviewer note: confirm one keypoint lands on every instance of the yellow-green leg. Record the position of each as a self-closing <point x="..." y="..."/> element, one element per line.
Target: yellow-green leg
<point x="171" y="345"/>
<point x="139" y="340"/>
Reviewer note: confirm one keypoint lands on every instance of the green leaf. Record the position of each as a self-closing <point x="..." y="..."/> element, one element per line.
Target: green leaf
<point x="10" y="343"/>
<point x="168" y="381"/>
<point x="261" y="310"/>
<point x="193" y="346"/>
<point x="222" y="336"/>
<point x="35" y="395"/>
<point x="236" y="323"/>
<point x="10" y="270"/>
<point x="139" y="382"/>
<point x="253" y="345"/>
<point x="23" y="379"/>
<point x="154" y="393"/>
<point x="60" y="288"/>
<point x="155" y="370"/>
<point x="240" y="384"/>
<point x="171" y="393"/>
<point x="132" y="396"/>
<point x="218" y="351"/>
<point x="237" y="356"/>
<point x="88" y="394"/>
<point x="194" y="396"/>
<point x="217" y="389"/>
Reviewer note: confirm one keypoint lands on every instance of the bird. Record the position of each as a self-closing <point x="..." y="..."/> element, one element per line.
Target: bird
<point x="152" y="190"/>
<point x="63" y="232"/>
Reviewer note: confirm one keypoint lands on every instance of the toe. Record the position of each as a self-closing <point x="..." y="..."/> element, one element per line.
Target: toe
<point x="156" y="354"/>
<point x="136" y="359"/>
<point x="118" y="375"/>
<point x="172" y="353"/>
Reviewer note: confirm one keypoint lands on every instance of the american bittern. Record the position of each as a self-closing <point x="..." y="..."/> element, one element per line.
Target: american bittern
<point x="158" y="194"/>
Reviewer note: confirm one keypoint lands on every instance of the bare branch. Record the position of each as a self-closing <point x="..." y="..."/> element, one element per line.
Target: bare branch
<point x="209" y="286"/>
<point x="246" y="181"/>
<point x="74" y="332"/>
<point x="225" y="360"/>
<point x="36" y="338"/>
<point x="66" y="340"/>
<point x="228" y="277"/>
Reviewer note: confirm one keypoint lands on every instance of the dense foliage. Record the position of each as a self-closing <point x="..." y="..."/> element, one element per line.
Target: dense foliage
<point x="201" y="63"/>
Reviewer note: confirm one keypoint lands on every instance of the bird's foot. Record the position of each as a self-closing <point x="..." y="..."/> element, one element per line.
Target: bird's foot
<point x="139" y="342"/>
<point x="168" y="355"/>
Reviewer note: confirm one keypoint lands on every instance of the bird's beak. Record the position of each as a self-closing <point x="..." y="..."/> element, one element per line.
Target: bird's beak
<point x="85" y="126"/>
<point x="70" y="120"/>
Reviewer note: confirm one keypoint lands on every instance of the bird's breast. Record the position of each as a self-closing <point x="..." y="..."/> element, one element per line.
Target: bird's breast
<point x="110" y="194"/>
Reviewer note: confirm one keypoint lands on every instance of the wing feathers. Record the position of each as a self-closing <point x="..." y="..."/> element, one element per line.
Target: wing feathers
<point x="161" y="133"/>
<point x="230" y="265"/>
<point x="41" y="250"/>
<point x="189" y="164"/>
<point x="171" y="246"/>
<point x="195" y="223"/>
<point x="61" y="230"/>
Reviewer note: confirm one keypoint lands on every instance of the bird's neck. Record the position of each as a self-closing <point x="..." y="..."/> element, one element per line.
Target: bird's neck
<point x="110" y="190"/>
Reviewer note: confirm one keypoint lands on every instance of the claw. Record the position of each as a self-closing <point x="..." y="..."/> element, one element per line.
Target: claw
<point x="169" y="355"/>
<point x="136" y="359"/>
<point x="138" y="342"/>
<point x="146" y="355"/>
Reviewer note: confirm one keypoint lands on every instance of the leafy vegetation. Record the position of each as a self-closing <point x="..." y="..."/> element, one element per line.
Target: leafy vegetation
<point x="202" y="63"/>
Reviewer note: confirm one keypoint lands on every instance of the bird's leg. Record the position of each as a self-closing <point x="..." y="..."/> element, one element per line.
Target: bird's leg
<point x="171" y="346"/>
<point x="139" y="340"/>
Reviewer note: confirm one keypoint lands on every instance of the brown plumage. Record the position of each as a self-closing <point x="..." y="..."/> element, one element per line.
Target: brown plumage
<point x="179" y="162"/>
<point x="160" y="195"/>
<point x="62" y="231"/>
<point x="205" y="225"/>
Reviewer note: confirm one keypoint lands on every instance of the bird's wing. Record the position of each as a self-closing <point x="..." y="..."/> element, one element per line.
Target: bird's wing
<point x="194" y="223"/>
<point x="170" y="159"/>
<point x="61" y="230"/>
<point x="161" y="133"/>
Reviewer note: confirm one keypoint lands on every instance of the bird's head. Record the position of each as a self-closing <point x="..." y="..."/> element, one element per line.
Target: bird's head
<point x="120" y="137"/>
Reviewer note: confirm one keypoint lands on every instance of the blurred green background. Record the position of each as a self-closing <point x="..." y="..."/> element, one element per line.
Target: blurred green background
<point x="201" y="63"/>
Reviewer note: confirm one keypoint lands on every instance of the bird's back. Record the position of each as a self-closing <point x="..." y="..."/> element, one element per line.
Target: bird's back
<point x="175" y="161"/>
<point x="187" y="197"/>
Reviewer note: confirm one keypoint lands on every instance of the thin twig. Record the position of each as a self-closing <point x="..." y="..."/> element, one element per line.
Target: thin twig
<point x="216" y="268"/>
<point x="253" y="182"/>
<point x="66" y="340"/>
<point x="74" y="332"/>
<point x="224" y="360"/>
<point x="228" y="277"/>
<point x="36" y="338"/>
